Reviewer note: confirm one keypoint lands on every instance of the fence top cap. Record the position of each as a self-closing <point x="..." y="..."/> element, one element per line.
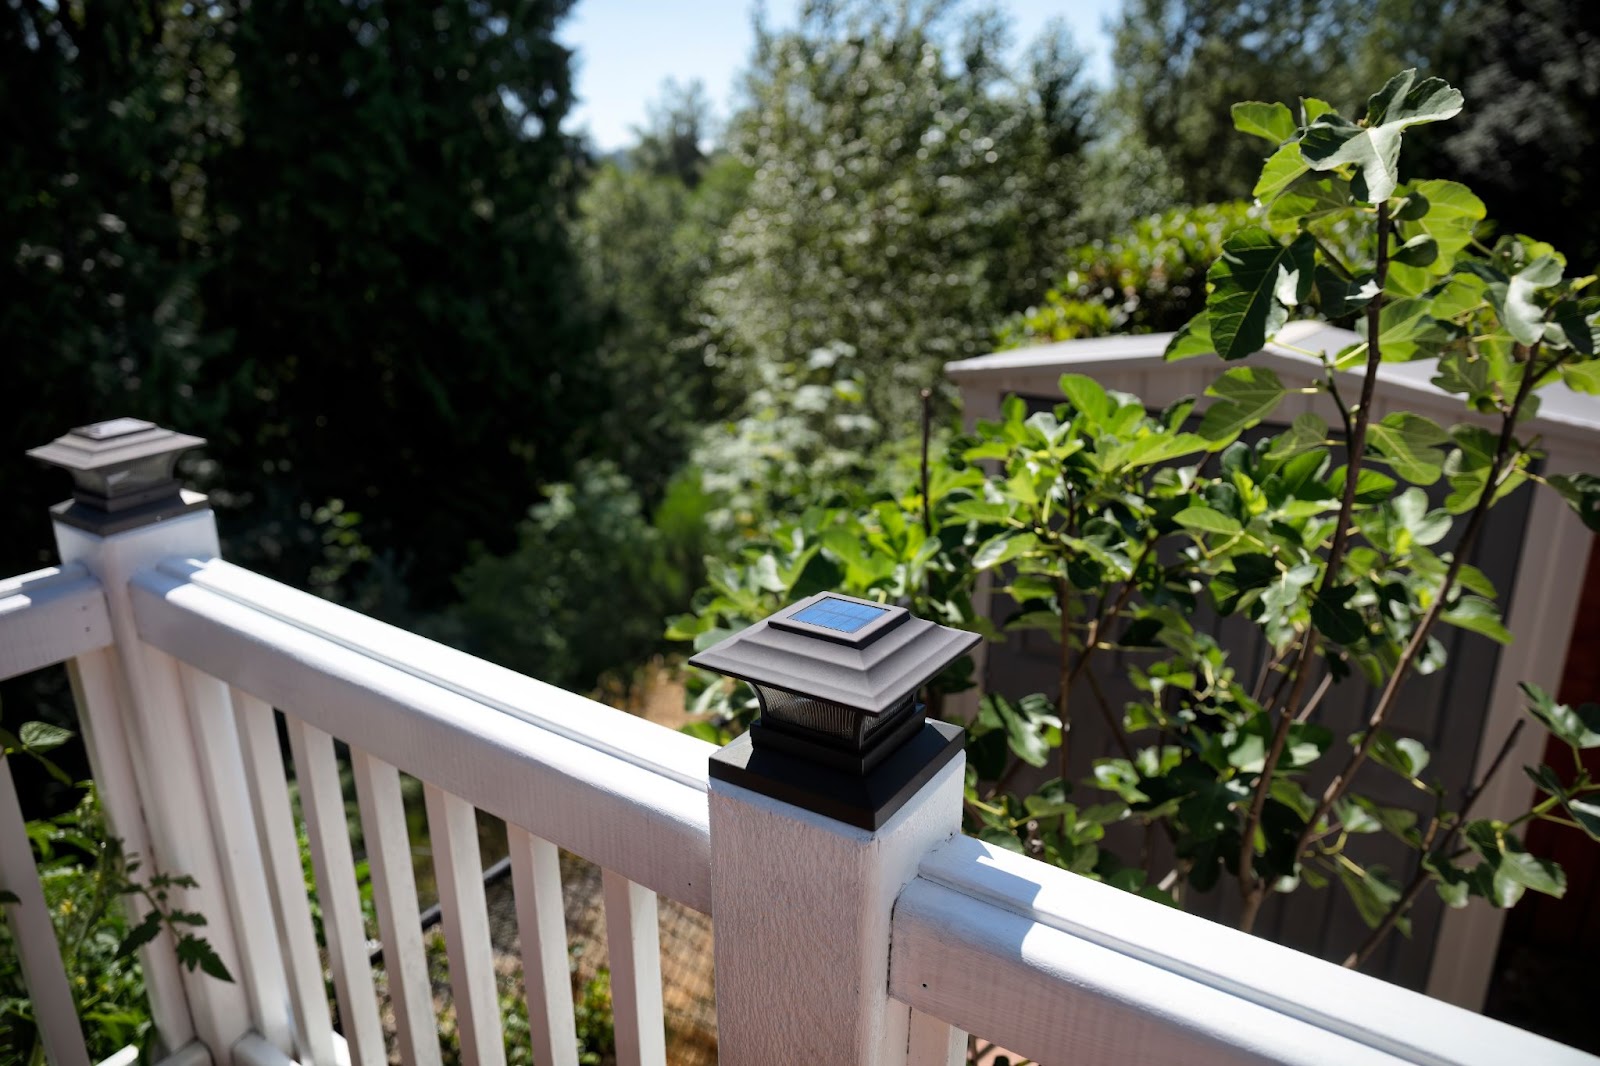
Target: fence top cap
<point x="123" y="474"/>
<point x="115" y="442"/>
<point x="840" y="649"/>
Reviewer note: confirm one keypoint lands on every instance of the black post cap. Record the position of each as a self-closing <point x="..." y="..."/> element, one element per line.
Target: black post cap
<point x="122" y="474"/>
<point x="840" y="732"/>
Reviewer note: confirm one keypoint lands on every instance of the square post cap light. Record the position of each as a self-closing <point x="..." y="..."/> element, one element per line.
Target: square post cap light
<point x="122" y="474"/>
<point x="840" y="729"/>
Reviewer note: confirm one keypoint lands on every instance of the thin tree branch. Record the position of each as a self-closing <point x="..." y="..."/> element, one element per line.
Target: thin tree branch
<point x="1420" y="880"/>
<point x="927" y="431"/>
<point x="1386" y="700"/>
<point x="1254" y="891"/>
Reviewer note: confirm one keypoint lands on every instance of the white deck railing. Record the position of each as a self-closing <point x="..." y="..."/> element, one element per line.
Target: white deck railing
<point x="834" y="946"/>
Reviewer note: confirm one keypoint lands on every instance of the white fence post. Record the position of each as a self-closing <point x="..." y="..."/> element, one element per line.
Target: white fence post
<point x="820" y="816"/>
<point x="127" y="513"/>
<point x="802" y="906"/>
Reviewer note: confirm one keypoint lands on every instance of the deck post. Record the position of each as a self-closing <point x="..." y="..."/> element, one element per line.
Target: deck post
<point x="166" y="754"/>
<point x="820" y="815"/>
<point x="802" y="905"/>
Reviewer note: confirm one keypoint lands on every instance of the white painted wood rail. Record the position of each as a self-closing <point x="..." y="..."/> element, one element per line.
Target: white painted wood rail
<point x="623" y="793"/>
<point x="1068" y="970"/>
<point x="834" y="945"/>
<point x="50" y="616"/>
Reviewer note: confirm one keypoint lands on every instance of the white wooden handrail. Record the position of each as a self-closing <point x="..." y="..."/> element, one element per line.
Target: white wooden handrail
<point x="625" y="736"/>
<point x="50" y="616"/>
<point x="621" y="811"/>
<point x="879" y="948"/>
<point x="1062" y="968"/>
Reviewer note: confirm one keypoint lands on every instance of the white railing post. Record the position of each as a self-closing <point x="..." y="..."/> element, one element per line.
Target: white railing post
<point x="820" y="816"/>
<point x="168" y="750"/>
<point x="802" y="905"/>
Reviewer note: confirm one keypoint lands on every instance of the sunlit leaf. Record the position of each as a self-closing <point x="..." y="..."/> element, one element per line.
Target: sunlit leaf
<point x="1253" y="285"/>
<point x="1374" y="147"/>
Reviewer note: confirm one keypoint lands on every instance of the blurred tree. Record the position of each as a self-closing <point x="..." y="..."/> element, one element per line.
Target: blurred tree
<point x="1531" y="147"/>
<point x="108" y="115"/>
<point x="404" y="304"/>
<point x="583" y="594"/>
<point x="1151" y="277"/>
<point x="1527" y="146"/>
<point x="649" y="223"/>
<point x="906" y="191"/>
<point x="1181" y="64"/>
<point x="676" y="141"/>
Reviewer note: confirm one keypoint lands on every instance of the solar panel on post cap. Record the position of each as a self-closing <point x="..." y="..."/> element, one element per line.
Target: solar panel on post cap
<point x="845" y="616"/>
<point x="839" y="619"/>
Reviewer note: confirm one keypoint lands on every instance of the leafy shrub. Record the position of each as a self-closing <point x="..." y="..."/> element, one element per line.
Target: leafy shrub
<point x="87" y="881"/>
<point x="1109" y="525"/>
<point x="1153" y="278"/>
<point x="583" y="593"/>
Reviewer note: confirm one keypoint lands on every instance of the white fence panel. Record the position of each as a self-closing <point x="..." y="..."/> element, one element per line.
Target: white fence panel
<point x="322" y="804"/>
<point x="935" y="1042"/>
<point x="458" y="868"/>
<point x="274" y="818"/>
<point x="536" y="881"/>
<point x="239" y="854"/>
<point x="633" y="937"/>
<point x="394" y="892"/>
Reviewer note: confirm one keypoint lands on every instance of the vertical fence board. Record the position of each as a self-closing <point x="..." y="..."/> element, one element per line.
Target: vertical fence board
<point x="216" y="737"/>
<point x="634" y="940"/>
<point x="934" y="1042"/>
<point x="394" y="890"/>
<point x="536" y="881"/>
<point x="322" y="803"/>
<point x="102" y="719"/>
<point x="274" y="817"/>
<point x="42" y="973"/>
<point x="458" y="867"/>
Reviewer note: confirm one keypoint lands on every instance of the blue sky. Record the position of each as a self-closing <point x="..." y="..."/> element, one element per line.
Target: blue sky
<point x="627" y="48"/>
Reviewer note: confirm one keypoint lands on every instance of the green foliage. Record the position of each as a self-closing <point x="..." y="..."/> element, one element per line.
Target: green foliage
<point x="648" y="228"/>
<point x="86" y="879"/>
<point x="583" y="593"/>
<point x="877" y="542"/>
<point x="1149" y="278"/>
<point x="906" y="192"/>
<point x="1179" y="64"/>
<point x="1109" y="527"/>
<point x="801" y="429"/>
<point x="345" y="265"/>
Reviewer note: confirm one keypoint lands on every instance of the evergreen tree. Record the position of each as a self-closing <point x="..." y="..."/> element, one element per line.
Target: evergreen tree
<point x="649" y="226"/>
<point x="1529" y="144"/>
<point x="1181" y="64"/>
<point x="406" y="311"/>
<point x="109" y="112"/>
<point x="906" y="192"/>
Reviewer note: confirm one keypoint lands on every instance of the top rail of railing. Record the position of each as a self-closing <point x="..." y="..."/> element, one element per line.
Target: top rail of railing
<point x="622" y="792"/>
<point x="1062" y="968"/>
<point x="50" y="616"/>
